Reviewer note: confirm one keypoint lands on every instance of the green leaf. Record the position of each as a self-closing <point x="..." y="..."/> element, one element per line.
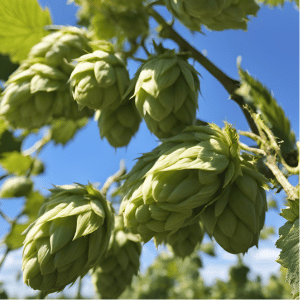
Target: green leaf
<point x="260" y="99"/>
<point x="16" y="163"/>
<point x="63" y="130"/>
<point x="7" y="67"/>
<point x="273" y="3"/>
<point x="8" y="142"/>
<point x="291" y="213"/>
<point x="15" y="239"/>
<point x="22" y="26"/>
<point x="289" y="255"/>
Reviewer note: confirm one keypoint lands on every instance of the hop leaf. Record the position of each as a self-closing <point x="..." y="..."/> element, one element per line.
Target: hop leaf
<point x="260" y="100"/>
<point x="22" y="26"/>
<point x="69" y="237"/>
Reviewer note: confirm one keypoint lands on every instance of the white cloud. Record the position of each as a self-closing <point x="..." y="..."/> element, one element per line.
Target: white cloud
<point x="266" y="254"/>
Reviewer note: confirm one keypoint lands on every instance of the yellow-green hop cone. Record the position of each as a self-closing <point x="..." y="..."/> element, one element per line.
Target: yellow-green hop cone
<point x="166" y="94"/>
<point x="116" y="269"/>
<point x="119" y="125"/>
<point x="184" y="241"/>
<point x="237" y="216"/>
<point x="71" y="234"/>
<point x="35" y="94"/>
<point x="99" y="80"/>
<point x="67" y="44"/>
<point x="214" y="14"/>
<point x="16" y="187"/>
<point x="170" y="186"/>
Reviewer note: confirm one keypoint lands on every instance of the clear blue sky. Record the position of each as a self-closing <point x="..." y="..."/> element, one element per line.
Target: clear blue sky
<point x="270" y="52"/>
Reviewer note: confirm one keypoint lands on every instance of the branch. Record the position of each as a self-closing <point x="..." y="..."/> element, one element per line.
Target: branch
<point x="38" y="146"/>
<point x="110" y="180"/>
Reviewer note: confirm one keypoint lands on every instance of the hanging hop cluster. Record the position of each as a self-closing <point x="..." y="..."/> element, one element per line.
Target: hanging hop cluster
<point x="188" y="175"/>
<point x="119" y="125"/>
<point x="69" y="237"/>
<point x="184" y="241"/>
<point x="99" y="80"/>
<point x="115" y="270"/>
<point x="214" y="14"/>
<point x="166" y="93"/>
<point x="38" y="91"/>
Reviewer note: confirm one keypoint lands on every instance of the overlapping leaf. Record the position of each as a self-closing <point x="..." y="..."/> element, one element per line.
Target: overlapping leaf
<point x="21" y="27"/>
<point x="277" y="2"/>
<point x="260" y="99"/>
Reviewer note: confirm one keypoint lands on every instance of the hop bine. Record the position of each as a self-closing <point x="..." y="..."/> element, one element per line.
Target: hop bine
<point x="99" y="80"/>
<point x="214" y="14"/>
<point x="188" y="175"/>
<point x="166" y="93"/>
<point x="121" y="262"/>
<point x="69" y="237"/>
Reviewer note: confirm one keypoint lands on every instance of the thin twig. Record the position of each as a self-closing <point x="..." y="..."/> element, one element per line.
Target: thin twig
<point x="79" y="296"/>
<point x="110" y="180"/>
<point x="4" y="256"/>
<point x="6" y="218"/>
<point x="253" y="150"/>
<point x="37" y="147"/>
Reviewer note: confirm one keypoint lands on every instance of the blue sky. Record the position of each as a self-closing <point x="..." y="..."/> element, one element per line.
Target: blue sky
<point x="269" y="51"/>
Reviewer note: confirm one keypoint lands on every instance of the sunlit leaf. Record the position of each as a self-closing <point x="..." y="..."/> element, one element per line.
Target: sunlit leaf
<point x="21" y="27"/>
<point x="16" y="163"/>
<point x="15" y="239"/>
<point x="289" y="255"/>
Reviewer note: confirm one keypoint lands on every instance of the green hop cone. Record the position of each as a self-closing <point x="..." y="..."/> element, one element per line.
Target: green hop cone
<point x="16" y="187"/>
<point x="184" y="241"/>
<point x="36" y="93"/>
<point x="71" y="234"/>
<point x="116" y="269"/>
<point x="214" y="14"/>
<point x="171" y="187"/>
<point x="166" y="93"/>
<point x="119" y="125"/>
<point x="237" y="216"/>
<point x="99" y="80"/>
<point x="66" y="44"/>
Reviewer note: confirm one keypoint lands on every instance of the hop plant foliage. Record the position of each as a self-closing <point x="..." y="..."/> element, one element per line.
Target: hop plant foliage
<point x="116" y="269"/>
<point x="69" y="237"/>
<point x="99" y="80"/>
<point x="214" y="14"/>
<point x="166" y="93"/>
<point x="16" y="187"/>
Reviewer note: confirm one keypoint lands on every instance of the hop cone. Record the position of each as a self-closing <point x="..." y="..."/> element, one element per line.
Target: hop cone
<point x="214" y="14"/>
<point x="115" y="271"/>
<point x="99" y="80"/>
<point x="184" y="175"/>
<point x="69" y="237"/>
<point x="66" y="44"/>
<point x="119" y="125"/>
<point x="37" y="93"/>
<point x="16" y="187"/>
<point x="184" y="241"/>
<point x="237" y="216"/>
<point x="166" y="94"/>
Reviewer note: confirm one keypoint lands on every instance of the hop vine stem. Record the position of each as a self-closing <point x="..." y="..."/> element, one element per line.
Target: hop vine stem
<point x="228" y="83"/>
